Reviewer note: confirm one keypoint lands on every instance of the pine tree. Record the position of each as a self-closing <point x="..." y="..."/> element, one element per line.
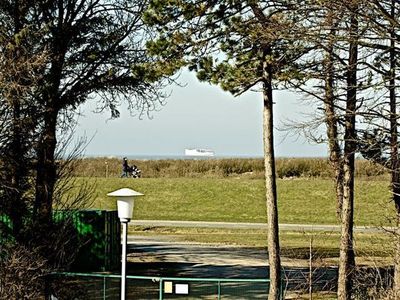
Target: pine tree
<point x="239" y="46"/>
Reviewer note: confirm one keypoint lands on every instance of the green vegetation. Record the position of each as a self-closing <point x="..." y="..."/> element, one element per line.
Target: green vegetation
<point x="239" y="199"/>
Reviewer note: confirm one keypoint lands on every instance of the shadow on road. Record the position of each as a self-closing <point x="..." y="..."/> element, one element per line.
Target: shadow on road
<point x="147" y="258"/>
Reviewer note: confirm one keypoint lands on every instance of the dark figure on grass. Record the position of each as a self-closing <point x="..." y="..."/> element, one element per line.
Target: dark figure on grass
<point x="129" y="171"/>
<point x="125" y="167"/>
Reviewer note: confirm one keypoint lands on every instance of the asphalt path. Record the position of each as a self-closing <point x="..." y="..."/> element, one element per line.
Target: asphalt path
<point x="159" y="256"/>
<point x="283" y="227"/>
<point x="163" y="256"/>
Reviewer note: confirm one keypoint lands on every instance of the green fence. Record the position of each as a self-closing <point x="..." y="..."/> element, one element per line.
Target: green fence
<point x="104" y="286"/>
<point x="99" y="234"/>
<point x="5" y="226"/>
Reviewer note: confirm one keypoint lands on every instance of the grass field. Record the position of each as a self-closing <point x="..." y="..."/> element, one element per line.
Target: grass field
<point x="236" y="199"/>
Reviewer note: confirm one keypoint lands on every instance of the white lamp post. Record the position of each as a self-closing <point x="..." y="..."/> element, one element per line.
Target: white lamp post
<point x="125" y="202"/>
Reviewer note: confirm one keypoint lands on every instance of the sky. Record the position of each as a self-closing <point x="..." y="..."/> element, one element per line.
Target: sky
<point x="197" y="115"/>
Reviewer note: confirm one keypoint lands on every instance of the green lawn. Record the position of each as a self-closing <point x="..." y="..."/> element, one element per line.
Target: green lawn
<point x="308" y="201"/>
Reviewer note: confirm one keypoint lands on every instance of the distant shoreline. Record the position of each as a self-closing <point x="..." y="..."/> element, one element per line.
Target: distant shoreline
<point x="183" y="157"/>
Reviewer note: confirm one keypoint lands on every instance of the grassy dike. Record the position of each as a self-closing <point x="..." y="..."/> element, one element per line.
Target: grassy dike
<point x="237" y="199"/>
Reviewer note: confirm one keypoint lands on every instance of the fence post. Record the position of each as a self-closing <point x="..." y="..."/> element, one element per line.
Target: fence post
<point x="219" y="290"/>
<point x="104" y="288"/>
<point x="46" y="287"/>
<point x="161" y="290"/>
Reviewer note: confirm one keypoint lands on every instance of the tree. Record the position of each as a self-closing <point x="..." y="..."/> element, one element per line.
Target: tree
<point x="55" y="55"/>
<point x="347" y="258"/>
<point x="238" y="46"/>
<point x="334" y="68"/>
<point x="321" y="81"/>
<point x="331" y="115"/>
<point x="344" y="177"/>
<point x="95" y="48"/>
<point x="379" y="141"/>
<point x="20" y="65"/>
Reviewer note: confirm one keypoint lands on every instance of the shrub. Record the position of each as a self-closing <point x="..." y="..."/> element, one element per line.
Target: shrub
<point x="253" y="167"/>
<point x="22" y="272"/>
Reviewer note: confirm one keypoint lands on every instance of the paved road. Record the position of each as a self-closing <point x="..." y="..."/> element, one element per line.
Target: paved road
<point x="160" y="257"/>
<point x="286" y="227"/>
<point x="166" y="249"/>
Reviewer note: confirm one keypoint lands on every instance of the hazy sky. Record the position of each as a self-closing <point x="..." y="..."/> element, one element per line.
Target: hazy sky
<point x="197" y="116"/>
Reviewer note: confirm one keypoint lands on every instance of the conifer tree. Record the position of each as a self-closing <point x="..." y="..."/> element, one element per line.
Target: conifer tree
<point x="239" y="46"/>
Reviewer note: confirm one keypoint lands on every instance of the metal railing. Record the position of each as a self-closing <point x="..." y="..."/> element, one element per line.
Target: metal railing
<point x="95" y="286"/>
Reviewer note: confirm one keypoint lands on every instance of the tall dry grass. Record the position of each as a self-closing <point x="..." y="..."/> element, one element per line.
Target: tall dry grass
<point x="250" y="167"/>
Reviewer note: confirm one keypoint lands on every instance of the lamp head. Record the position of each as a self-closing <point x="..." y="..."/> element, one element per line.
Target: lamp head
<point x="125" y="202"/>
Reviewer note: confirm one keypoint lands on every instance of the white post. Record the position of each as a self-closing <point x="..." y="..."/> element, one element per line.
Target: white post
<point x="123" y="263"/>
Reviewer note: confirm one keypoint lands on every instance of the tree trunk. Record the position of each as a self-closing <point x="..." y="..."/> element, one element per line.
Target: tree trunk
<point x="46" y="175"/>
<point x="331" y="117"/>
<point x="396" y="284"/>
<point x="346" y="258"/>
<point x="15" y="158"/>
<point x="394" y="159"/>
<point x="270" y="185"/>
<point x="46" y="169"/>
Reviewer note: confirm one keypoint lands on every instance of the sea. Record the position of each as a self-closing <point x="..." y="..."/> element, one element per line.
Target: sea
<point x="161" y="157"/>
<point x="187" y="157"/>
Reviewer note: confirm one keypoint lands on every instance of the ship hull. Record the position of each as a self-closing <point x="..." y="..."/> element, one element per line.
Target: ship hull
<point x="199" y="152"/>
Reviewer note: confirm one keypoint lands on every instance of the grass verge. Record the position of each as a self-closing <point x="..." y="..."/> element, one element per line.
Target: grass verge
<point x="300" y="201"/>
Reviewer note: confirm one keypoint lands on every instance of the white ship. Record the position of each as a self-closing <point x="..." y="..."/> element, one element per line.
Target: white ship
<point x="199" y="152"/>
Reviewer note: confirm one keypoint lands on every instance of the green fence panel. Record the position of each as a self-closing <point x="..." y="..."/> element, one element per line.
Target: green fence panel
<point x="100" y="233"/>
<point x="6" y="227"/>
<point x="98" y="230"/>
<point x="5" y="220"/>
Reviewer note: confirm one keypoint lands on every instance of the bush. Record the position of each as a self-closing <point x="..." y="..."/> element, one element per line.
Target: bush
<point x="22" y="272"/>
<point x="251" y="167"/>
<point x="366" y="168"/>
